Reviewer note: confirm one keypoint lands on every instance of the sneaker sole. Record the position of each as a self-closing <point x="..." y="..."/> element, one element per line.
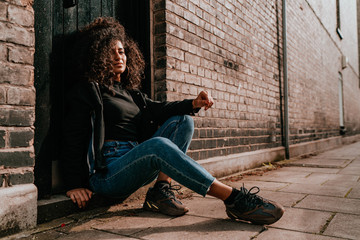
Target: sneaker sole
<point x="154" y="207"/>
<point x="264" y="221"/>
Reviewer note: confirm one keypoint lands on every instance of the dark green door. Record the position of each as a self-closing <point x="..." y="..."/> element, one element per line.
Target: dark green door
<point x="55" y="22"/>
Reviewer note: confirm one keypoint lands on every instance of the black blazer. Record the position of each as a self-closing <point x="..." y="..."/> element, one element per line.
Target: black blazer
<point x="84" y="125"/>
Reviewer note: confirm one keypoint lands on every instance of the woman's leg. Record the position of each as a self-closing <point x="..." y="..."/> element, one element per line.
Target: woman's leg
<point x="179" y="129"/>
<point x="144" y="162"/>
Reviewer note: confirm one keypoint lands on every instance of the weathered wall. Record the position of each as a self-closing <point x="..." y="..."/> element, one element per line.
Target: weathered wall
<point x="233" y="50"/>
<point x="220" y="47"/>
<point x="314" y="58"/>
<point x="17" y="115"/>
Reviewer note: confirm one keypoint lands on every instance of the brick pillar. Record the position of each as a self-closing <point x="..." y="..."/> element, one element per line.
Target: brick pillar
<point x="18" y="194"/>
<point x="159" y="55"/>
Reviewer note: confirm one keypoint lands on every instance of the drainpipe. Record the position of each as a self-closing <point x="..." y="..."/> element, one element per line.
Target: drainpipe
<point x="285" y="71"/>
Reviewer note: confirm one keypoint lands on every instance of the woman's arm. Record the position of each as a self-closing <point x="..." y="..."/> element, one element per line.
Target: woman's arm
<point x="161" y="111"/>
<point x="80" y="196"/>
<point x="203" y="100"/>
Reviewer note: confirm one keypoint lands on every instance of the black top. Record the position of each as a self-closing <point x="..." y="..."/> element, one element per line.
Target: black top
<point x="121" y="115"/>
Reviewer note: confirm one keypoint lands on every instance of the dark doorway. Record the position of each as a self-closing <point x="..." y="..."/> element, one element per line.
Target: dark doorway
<point x="55" y="24"/>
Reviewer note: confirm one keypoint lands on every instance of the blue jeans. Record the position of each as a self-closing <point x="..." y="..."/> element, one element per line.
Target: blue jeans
<point x="131" y="165"/>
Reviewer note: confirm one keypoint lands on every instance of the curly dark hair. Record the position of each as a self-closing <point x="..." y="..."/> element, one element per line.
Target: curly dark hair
<point x="97" y="39"/>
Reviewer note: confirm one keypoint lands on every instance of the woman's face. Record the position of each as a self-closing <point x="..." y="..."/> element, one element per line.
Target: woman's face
<point x="118" y="59"/>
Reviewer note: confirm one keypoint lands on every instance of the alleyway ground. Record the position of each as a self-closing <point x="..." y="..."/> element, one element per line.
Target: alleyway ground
<point x="321" y="195"/>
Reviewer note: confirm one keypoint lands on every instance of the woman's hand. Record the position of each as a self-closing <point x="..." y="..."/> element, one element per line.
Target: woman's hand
<point x="80" y="196"/>
<point x="203" y="100"/>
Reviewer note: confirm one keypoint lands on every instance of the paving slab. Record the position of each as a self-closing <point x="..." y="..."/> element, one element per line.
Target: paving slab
<point x="281" y="176"/>
<point x="44" y="235"/>
<point x="280" y="234"/>
<point x="79" y="226"/>
<point x="285" y="199"/>
<point x="304" y="220"/>
<point x="350" y="184"/>
<point x="206" y="207"/>
<point x="287" y="176"/>
<point x="312" y="169"/>
<point x="351" y="170"/>
<point x="355" y="163"/>
<point x="93" y="234"/>
<point x="355" y="193"/>
<point x="315" y="189"/>
<point x="331" y="204"/>
<point x="54" y="224"/>
<point x="193" y="227"/>
<point x="321" y="162"/>
<point x="263" y="185"/>
<point x="319" y="178"/>
<point x="345" y="226"/>
<point x="128" y="225"/>
<point x="345" y="178"/>
<point x="341" y="153"/>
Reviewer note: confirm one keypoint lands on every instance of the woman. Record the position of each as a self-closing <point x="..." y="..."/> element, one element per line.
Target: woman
<point x="118" y="140"/>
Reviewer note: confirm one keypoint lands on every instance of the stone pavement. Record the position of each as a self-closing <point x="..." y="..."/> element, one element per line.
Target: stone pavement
<point x="321" y="195"/>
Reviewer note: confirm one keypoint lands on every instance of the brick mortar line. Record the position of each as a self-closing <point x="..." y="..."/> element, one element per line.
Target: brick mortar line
<point x="14" y="64"/>
<point x="16" y="128"/>
<point x="20" y="170"/>
<point x="16" y="107"/>
<point x="8" y="21"/>
<point x="229" y="43"/>
<point x="18" y="149"/>
<point x="218" y="54"/>
<point x="9" y="85"/>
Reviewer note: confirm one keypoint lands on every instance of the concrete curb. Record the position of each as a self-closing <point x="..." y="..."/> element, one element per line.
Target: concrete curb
<point x="227" y="165"/>
<point x="18" y="208"/>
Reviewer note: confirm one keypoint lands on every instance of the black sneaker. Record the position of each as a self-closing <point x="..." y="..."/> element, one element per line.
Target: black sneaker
<point x="248" y="206"/>
<point x="162" y="199"/>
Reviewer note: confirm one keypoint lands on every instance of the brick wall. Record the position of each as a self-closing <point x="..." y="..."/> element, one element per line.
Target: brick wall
<point x="211" y="45"/>
<point x="233" y="50"/>
<point x="314" y="57"/>
<point x="17" y="93"/>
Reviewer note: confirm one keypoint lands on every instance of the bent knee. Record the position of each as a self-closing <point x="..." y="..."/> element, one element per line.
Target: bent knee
<point x="189" y="122"/>
<point x="159" y="141"/>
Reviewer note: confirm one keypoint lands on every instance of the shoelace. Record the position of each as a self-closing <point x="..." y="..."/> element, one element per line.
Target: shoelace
<point x="168" y="190"/>
<point x="249" y="199"/>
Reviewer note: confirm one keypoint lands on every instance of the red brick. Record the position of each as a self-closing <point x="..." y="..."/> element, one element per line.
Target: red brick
<point x="3" y="11"/>
<point x="15" y="34"/>
<point x="3" y="52"/>
<point x="16" y="74"/>
<point x="21" y="16"/>
<point x="21" y="138"/>
<point x="2" y="95"/>
<point x="21" y="96"/>
<point x="18" y="54"/>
